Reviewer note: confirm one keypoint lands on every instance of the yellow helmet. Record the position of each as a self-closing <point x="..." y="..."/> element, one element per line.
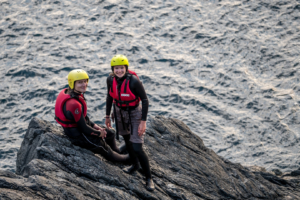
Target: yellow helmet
<point x="75" y="75"/>
<point x="119" y="60"/>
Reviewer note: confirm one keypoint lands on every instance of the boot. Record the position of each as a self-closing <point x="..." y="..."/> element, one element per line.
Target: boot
<point x="132" y="168"/>
<point x="109" y="154"/>
<point x="150" y="184"/>
<point x="114" y="156"/>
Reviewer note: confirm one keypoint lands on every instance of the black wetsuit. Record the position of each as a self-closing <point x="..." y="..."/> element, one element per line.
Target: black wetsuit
<point x="82" y="135"/>
<point x="135" y="150"/>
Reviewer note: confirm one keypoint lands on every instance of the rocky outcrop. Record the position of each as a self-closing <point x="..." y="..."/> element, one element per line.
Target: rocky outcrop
<point x="50" y="167"/>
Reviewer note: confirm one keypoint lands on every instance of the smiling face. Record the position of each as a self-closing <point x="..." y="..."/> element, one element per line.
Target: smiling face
<point x="81" y="85"/>
<point x="119" y="70"/>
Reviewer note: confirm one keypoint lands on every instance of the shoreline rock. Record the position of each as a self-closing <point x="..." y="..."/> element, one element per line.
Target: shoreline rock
<point x="50" y="167"/>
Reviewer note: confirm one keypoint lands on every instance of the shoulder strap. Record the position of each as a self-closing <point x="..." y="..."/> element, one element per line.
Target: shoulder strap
<point x="127" y="80"/>
<point x="112" y="83"/>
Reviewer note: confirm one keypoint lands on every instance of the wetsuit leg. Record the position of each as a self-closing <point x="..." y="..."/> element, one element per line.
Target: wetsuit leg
<point x="143" y="158"/>
<point x="105" y="150"/>
<point x="111" y="141"/>
<point x="95" y="144"/>
<point x="114" y="156"/>
<point x="133" y="158"/>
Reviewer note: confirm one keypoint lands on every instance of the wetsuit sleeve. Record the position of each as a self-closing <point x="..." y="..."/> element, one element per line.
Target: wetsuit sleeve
<point x="85" y="128"/>
<point x="73" y="111"/>
<point x="137" y="88"/>
<point x="109" y="99"/>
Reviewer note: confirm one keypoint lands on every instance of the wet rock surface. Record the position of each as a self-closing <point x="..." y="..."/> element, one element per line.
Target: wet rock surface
<point x="50" y="167"/>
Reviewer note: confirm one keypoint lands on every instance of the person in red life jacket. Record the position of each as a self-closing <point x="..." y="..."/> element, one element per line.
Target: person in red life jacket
<point x="71" y="114"/>
<point x="125" y="91"/>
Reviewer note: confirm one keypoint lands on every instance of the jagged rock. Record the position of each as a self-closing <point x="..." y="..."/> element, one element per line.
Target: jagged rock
<point x="295" y="173"/>
<point x="50" y="167"/>
<point x="277" y="172"/>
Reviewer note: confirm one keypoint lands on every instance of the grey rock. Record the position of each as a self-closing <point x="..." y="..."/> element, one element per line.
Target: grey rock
<point x="277" y="172"/>
<point x="295" y="173"/>
<point x="50" y="167"/>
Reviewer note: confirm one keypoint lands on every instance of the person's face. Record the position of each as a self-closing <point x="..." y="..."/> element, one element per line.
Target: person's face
<point x="81" y="85"/>
<point x="119" y="70"/>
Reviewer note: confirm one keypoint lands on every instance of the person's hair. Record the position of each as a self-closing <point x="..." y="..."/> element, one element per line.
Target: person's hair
<point x="71" y="90"/>
<point x="73" y="87"/>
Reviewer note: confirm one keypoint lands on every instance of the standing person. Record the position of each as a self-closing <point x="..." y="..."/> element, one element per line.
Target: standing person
<point x="71" y="114"/>
<point x="126" y="91"/>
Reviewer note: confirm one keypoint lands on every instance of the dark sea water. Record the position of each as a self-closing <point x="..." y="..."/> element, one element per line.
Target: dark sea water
<point x="228" y="69"/>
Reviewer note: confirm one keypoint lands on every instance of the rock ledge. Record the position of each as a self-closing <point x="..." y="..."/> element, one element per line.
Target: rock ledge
<point x="50" y="167"/>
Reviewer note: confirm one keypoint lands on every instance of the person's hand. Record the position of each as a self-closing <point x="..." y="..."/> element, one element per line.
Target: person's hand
<point x="107" y="122"/>
<point x="142" y="128"/>
<point x="102" y="131"/>
<point x="96" y="127"/>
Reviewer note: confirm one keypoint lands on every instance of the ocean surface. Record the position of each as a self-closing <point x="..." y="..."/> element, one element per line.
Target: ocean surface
<point x="229" y="69"/>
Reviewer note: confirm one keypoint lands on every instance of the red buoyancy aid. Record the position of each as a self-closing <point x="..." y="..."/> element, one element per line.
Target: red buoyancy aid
<point x="124" y="97"/>
<point x="133" y="73"/>
<point x="61" y="99"/>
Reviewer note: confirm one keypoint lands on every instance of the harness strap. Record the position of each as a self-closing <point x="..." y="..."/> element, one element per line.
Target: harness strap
<point x="112" y="79"/>
<point x="126" y="83"/>
<point x="129" y="121"/>
<point x="116" y="122"/>
<point x="122" y="119"/>
<point x="125" y="102"/>
<point x="128" y="108"/>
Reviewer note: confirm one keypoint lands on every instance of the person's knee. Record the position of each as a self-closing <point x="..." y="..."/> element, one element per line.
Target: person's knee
<point x="101" y="149"/>
<point x="110" y="134"/>
<point x="138" y="148"/>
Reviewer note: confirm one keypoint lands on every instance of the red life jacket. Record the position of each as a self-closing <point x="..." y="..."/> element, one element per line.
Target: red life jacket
<point x="133" y="73"/>
<point x="61" y="99"/>
<point x="124" y="97"/>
